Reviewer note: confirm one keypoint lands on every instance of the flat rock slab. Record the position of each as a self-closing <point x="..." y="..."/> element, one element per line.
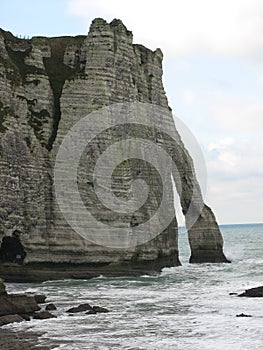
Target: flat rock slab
<point x="10" y="319"/>
<point x="253" y="293"/>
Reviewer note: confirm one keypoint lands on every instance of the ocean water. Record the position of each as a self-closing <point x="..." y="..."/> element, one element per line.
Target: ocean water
<point x="185" y="308"/>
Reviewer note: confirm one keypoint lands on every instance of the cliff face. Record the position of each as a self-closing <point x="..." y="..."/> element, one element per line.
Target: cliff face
<point x="46" y="86"/>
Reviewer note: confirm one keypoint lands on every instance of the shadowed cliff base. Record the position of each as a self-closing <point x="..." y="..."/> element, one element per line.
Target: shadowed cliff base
<point x="40" y="272"/>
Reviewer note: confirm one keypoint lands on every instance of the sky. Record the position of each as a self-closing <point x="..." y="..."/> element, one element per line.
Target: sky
<point x="213" y="77"/>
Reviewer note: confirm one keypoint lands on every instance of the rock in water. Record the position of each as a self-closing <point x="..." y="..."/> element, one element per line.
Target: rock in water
<point x="46" y="86"/>
<point x="43" y="315"/>
<point x="99" y="309"/>
<point x="243" y="315"/>
<point x="40" y="298"/>
<point x="50" y="307"/>
<point x="81" y="308"/>
<point x="253" y="293"/>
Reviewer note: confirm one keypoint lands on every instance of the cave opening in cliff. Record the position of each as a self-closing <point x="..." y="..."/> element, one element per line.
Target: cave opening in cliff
<point x="12" y="250"/>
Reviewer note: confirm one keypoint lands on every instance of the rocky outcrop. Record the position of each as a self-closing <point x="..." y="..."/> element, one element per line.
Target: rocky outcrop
<point x="20" y="307"/>
<point x="15" y="307"/>
<point x="46" y="86"/>
<point x="17" y="304"/>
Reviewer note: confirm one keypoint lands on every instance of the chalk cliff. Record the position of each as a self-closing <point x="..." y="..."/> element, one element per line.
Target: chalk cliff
<point x="46" y="86"/>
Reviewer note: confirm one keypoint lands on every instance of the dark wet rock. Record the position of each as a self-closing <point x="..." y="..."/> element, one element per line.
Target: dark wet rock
<point x="253" y="293"/>
<point x="40" y="298"/>
<point x="10" y="319"/>
<point x="2" y="287"/>
<point x="99" y="309"/>
<point x="91" y="312"/>
<point x="43" y="315"/>
<point x="26" y="317"/>
<point x="81" y="308"/>
<point x="50" y="307"/>
<point x="17" y="304"/>
<point x="243" y="315"/>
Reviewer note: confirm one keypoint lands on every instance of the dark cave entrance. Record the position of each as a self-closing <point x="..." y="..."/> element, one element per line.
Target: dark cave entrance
<point x="11" y="249"/>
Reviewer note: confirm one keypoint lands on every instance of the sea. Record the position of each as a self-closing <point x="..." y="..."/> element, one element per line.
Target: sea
<point x="184" y="308"/>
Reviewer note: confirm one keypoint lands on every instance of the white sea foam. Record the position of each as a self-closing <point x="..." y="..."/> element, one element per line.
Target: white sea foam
<point x="185" y="308"/>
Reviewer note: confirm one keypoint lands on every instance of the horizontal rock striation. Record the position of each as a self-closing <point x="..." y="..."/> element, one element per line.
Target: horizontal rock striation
<point x="46" y="86"/>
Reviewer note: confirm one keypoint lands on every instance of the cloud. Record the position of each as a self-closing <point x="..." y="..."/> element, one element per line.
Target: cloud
<point x="231" y="158"/>
<point x="227" y="122"/>
<point x="235" y="168"/>
<point x="225" y="27"/>
<point x="236" y="201"/>
<point x="236" y="113"/>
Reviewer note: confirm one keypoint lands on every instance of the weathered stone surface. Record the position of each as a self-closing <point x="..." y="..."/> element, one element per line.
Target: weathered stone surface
<point x="17" y="304"/>
<point x="10" y="319"/>
<point x="253" y="293"/>
<point x="46" y="86"/>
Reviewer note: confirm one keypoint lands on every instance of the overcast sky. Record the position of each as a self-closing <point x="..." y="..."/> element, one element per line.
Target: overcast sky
<point x="213" y="77"/>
